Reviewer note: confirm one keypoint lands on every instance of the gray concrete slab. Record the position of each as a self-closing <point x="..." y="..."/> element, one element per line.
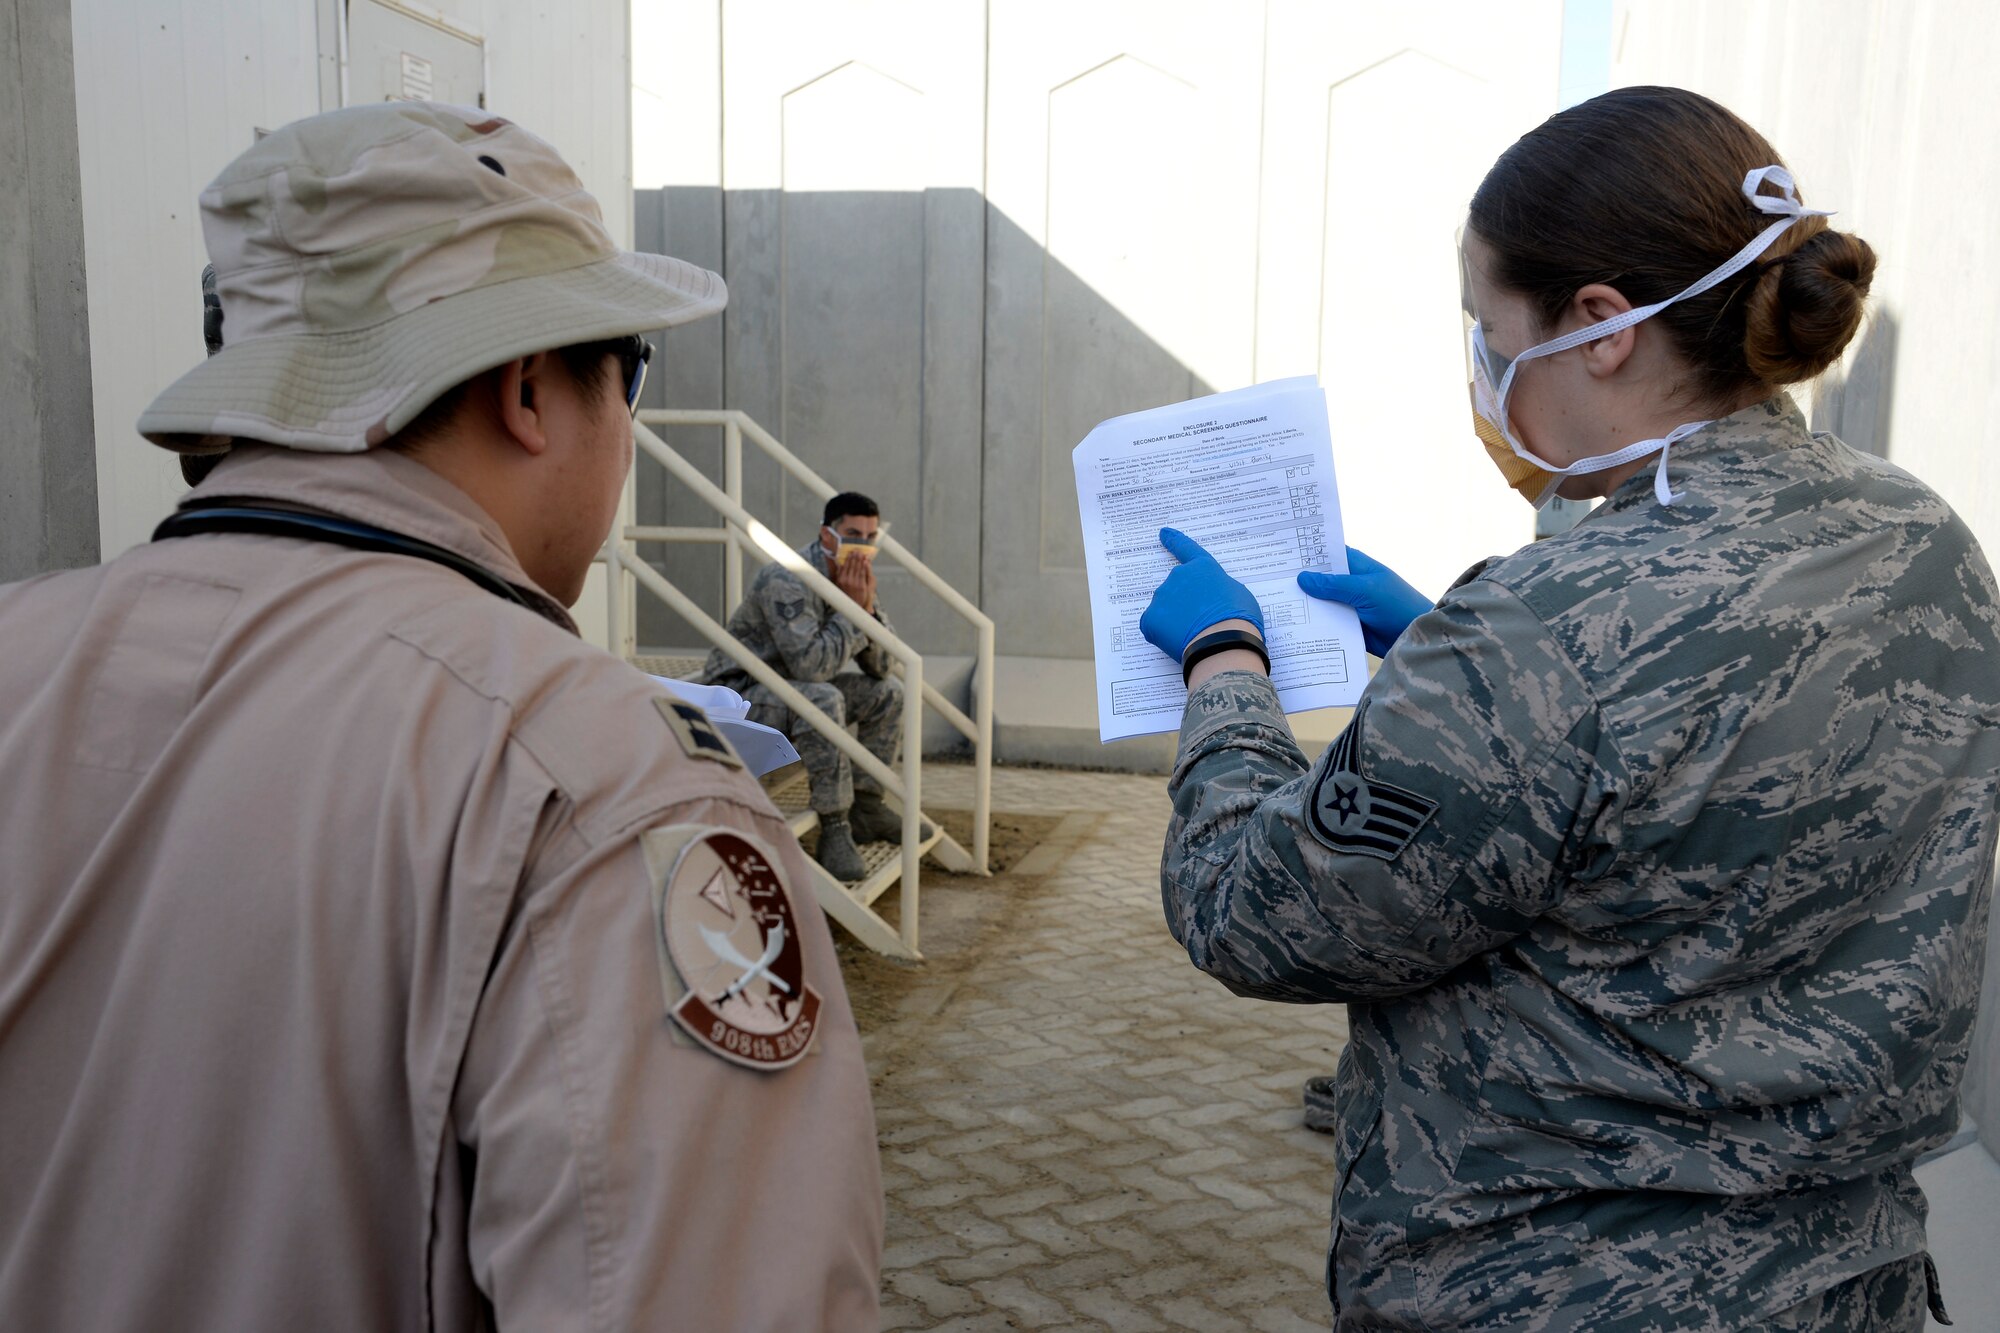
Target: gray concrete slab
<point x="1059" y="359"/>
<point x="853" y="334"/>
<point x="48" y="470"/>
<point x="685" y="222"/>
<point x="1045" y="712"/>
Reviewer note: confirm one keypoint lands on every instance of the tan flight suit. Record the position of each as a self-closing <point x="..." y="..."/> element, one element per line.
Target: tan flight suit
<point x="330" y="995"/>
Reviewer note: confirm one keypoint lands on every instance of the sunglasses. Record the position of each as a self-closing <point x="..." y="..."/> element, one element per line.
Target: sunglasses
<point x="634" y="353"/>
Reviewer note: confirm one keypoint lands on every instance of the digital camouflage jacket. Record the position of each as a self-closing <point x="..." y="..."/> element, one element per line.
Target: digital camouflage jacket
<point x="793" y="628"/>
<point x="1654" y="870"/>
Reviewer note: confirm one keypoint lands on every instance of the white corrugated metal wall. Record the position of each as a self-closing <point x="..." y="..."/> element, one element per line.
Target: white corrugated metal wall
<point x="1885" y="112"/>
<point x="168" y="91"/>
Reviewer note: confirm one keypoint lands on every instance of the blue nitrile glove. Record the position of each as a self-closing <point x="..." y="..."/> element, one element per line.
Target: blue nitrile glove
<point x="1195" y="597"/>
<point x="1384" y="602"/>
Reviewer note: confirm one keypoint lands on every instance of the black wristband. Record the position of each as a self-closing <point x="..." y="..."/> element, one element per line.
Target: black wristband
<point x="1219" y="641"/>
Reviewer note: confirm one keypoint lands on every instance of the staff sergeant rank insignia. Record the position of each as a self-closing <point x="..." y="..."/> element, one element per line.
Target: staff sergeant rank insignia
<point x="1351" y="814"/>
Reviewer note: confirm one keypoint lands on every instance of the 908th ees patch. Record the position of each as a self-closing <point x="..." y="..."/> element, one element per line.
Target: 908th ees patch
<point x="731" y="960"/>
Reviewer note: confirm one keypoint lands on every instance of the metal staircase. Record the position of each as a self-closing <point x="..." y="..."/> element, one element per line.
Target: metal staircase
<point x="889" y="866"/>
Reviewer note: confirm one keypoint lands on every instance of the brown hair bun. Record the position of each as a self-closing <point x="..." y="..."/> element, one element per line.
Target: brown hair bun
<point x="1806" y="306"/>
<point x="1642" y="188"/>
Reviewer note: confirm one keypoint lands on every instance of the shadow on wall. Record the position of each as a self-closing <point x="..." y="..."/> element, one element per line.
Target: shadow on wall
<point x="1856" y="401"/>
<point x="919" y="347"/>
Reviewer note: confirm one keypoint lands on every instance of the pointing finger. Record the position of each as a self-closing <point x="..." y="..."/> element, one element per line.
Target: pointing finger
<point x="1181" y="546"/>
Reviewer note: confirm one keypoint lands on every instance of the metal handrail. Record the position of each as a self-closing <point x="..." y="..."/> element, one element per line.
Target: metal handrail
<point x="763" y="673"/>
<point x="735" y="425"/>
<point x="740" y="529"/>
<point x="979" y="732"/>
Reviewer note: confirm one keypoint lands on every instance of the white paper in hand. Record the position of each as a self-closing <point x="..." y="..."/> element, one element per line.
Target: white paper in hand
<point x="715" y="700"/>
<point x="763" y="749"/>
<point x="1249" y="475"/>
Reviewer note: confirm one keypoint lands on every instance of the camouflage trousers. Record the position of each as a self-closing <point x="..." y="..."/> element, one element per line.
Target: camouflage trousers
<point x="872" y="709"/>
<point x="1891" y="1299"/>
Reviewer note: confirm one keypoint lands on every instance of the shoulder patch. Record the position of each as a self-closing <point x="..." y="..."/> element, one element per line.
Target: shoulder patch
<point x="1348" y="813"/>
<point x="695" y="732"/>
<point x="731" y="961"/>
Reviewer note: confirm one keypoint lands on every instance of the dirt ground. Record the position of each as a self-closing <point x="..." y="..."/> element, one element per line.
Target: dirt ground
<point x="961" y="913"/>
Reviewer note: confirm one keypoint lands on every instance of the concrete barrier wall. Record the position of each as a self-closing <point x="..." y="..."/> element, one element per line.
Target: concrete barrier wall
<point x="958" y="235"/>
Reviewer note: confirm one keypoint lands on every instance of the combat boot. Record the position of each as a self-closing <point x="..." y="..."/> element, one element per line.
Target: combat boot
<point x="874" y="821"/>
<point x="836" y="851"/>
<point x="1322" y="1112"/>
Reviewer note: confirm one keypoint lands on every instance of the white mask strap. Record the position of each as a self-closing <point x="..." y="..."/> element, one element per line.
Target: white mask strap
<point x="1788" y="208"/>
<point x="1662" y="490"/>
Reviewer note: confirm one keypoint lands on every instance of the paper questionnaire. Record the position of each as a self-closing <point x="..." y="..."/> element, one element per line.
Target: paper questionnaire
<point x="1249" y="475"/>
<point x="763" y="749"/>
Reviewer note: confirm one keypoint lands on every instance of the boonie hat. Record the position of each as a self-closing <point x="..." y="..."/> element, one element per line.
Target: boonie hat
<point x="368" y="259"/>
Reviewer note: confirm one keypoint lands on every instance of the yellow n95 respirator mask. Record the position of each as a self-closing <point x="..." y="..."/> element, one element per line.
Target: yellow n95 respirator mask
<point x="843" y="547"/>
<point x="1527" y="478"/>
<point x="1493" y="375"/>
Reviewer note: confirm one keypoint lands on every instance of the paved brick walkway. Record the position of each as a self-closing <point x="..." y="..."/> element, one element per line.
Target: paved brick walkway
<point x="1080" y="1131"/>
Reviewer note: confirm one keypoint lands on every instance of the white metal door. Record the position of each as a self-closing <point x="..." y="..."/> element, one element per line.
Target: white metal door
<point x="394" y="54"/>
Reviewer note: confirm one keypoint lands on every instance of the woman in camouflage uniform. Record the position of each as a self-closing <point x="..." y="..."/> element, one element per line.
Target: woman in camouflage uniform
<point x="1654" y="865"/>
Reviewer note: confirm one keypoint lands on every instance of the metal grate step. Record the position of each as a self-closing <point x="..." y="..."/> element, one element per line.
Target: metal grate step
<point x="672" y="666"/>
<point x="793" y="795"/>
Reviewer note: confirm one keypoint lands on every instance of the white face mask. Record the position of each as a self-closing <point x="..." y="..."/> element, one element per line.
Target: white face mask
<point x="1493" y="376"/>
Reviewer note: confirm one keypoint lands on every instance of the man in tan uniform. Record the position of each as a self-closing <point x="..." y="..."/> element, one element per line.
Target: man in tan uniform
<point x="374" y="954"/>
